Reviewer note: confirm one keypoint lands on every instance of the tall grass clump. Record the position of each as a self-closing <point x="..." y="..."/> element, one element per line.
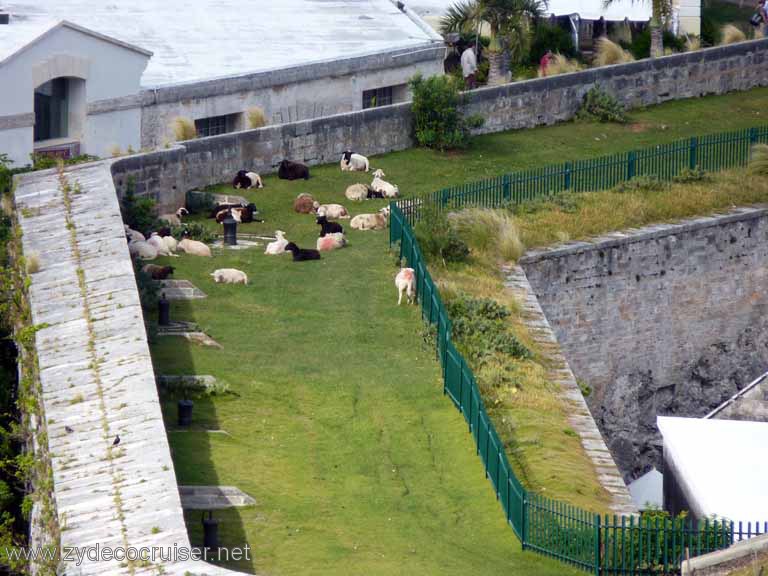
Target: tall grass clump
<point x="560" y="64"/>
<point x="256" y="117"/>
<point x="33" y="263"/>
<point x="609" y="53"/>
<point x="183" y="129"/>
<point x="439" y="240"/>
<point x="491" y="233"/>
<point x="692" y="43"/>
<point x="730" y="34"/>
<point x="758" y="164"/>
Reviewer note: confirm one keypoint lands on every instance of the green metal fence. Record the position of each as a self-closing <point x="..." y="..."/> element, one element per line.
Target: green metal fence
<point x="712" y="153"/>
<point x="602" y="545"/>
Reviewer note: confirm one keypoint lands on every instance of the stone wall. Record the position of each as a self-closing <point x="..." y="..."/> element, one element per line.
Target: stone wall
<point x="667" y="320"/>
<point x="168" y="174"/>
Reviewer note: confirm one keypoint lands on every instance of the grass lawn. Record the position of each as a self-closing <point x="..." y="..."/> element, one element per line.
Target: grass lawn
<point x="337" y="424"/>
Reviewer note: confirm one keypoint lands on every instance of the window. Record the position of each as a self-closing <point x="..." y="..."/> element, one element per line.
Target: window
<point x="377" y="97"/>
<point x="51" y="110"/>
<point x="215" y="125"/>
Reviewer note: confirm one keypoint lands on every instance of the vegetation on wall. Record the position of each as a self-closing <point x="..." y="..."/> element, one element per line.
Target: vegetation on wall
<point x="599" y="106"/>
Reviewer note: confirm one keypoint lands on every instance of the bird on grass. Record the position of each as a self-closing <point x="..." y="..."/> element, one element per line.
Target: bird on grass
<point x="117" y="440"/>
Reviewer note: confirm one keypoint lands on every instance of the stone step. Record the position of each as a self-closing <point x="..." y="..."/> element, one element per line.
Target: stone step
<point x="179" y="290"/>
<point x="213" y="497"/>
<point x="183" y="382"/>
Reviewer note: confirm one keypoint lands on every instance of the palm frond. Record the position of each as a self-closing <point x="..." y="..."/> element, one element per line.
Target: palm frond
<point x="461" y="17"/>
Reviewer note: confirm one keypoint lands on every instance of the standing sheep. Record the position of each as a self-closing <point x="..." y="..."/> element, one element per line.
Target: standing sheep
<point x="351" y="162"/>
<point x="229" y="276"/>
<point x="174" y="219"/>
<point x="405" y="281"/>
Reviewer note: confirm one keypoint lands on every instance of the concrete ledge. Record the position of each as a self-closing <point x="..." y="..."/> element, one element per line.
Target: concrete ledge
<point x="725" y="561"/>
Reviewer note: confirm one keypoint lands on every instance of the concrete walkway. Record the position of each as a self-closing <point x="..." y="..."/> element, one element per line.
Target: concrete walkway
<point x="97" y="378"/>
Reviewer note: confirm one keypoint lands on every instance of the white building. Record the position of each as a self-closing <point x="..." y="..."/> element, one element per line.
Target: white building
<point x="211" y="61"/>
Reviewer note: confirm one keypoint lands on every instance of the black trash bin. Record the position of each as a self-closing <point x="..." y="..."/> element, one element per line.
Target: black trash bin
<point x="230" y="231"/>
<point x="210" y="531"/>
<point x="163" y="311"/>
<point x="185" y="412"/>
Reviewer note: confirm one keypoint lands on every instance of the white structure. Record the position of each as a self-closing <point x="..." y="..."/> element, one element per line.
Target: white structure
<point x="648" y="490"/>
<point x="56" y="78"/>
<point x="716" y="467"/>
<point x="213" y="60"/>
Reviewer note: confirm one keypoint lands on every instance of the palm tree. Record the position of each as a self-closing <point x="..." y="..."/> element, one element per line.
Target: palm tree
<point x="660" y="15"/>
<point x="508" y="24"/>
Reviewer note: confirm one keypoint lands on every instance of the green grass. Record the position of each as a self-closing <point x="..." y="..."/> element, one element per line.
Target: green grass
<point x="337" y="424"/>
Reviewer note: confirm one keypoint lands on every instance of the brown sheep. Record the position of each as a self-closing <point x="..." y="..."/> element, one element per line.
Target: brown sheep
<point x="304" y="204"/>
<point x="157" y="272"/>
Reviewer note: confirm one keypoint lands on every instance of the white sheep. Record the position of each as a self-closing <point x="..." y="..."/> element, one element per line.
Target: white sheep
<point x="380" y="185"/>
<point x="229" y="276"/>
<point x="194" y="247"/>
<point x="160" y="245"/>
<point x="376" y="221"/>
<point x="174" y="219"/>
<point x="405" y="282"/>
<point x="351" y="162"/>
<point x="170" y="243"/>
<point x="330" y="242"/>
<point x="357" y="192"/>
<point x="331" y="211"/>
<point x="142" y="249"/>
<point x="134" y="235"/>
<point x="278" y="246"/>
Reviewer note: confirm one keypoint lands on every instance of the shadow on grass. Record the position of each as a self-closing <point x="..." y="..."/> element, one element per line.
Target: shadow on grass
<point x="192" y="447"/>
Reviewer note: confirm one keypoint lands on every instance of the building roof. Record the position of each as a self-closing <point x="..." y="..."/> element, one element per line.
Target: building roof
<point x="721" y="465"/>
<point x="206" y="39"/>
<point x="587" y="9"/>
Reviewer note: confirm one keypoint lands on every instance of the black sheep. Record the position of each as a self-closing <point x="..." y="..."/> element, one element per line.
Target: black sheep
<point x="302" y="254"/>
<point x="374" y="194"/>
<point x="328" y="227"/>
<point x="292" y="171"/>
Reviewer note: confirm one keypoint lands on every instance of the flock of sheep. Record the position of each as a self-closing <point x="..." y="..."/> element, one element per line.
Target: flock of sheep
<point x="331" y="236"/>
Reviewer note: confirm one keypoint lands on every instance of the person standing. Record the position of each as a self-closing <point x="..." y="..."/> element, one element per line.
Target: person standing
<point x="762" y="9"/>
<point x="469" y="67"/>
<point x="544" y="63"/>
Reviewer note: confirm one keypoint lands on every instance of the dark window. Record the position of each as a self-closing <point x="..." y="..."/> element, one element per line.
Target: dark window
<point x="212" y="126"/>
<point x="51" y="110"/>
<point x="377" y="97"/>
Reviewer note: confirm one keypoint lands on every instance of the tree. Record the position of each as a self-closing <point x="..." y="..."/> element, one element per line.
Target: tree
<point x="508" y="22"/>
<point x="661" y="12"/>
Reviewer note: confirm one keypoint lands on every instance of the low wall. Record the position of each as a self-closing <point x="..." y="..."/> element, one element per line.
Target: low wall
<point x="666" y="320"/>
<point x="168" y="174"/>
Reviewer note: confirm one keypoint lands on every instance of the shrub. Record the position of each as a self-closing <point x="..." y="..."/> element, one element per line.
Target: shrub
<point x="138" y="213"/>
<point x="33" y="263"/>
<point x="438" y="118"/>
<point x="492" y="232"/>
<point x="622" y="34"/>
<point x="601" y="107"/>
<point x="692" y="43"/>
<point x="194" y="231"/>
<point x="559" y="64"/>
<point x="758" y="163"/>
<point x="730" y="34"/>
<point x="710" y="33"/>
<point x="46" y="162"/>
<point x="688" y="176"/>
<point x="256" y="117"/>
<point x="548" y="37"/>
<point x="641" y="45"/>
<point x="183" y="129"/>
<point x="608" y="53"/>
<point x="438" y="239"/>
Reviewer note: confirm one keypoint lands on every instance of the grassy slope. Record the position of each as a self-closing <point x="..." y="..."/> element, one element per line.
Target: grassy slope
<point x="339" y="428"/>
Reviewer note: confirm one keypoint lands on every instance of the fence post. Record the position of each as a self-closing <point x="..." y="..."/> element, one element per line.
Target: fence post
<point x="597" y="544"/>
<point x="568" y="170"/>
<point x="507" y="187"/>
<point x="693" y="157"/>
<point x="523" y="518"/>
<point x="631" y="161"/>
<point x="753" y="135"/>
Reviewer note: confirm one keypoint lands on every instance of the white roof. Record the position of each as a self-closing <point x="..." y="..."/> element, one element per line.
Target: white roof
<point x="588" y="9"/>
<point x="723" y="465"/>
<point x="203" y="39"/>
<point x="648" y="490"/>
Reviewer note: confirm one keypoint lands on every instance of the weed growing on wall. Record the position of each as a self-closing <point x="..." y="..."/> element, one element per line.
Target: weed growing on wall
<point x="599" y="106"/>
<point x="138" y="212"/>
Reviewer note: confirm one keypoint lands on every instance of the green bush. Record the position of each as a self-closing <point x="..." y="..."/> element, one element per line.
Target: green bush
<point x="710" y="32"/>
<point x="600" y="106"/>
<point x="45" y="162"/>
<point x="688" y="176"/>
<point x="138" y="213"/>
<point x="641" y="44"/>
<point x="194" y="231"/>
<point x="438" y="239"/>
<point x="554" y="38"/>
<point x="439" y="121"/>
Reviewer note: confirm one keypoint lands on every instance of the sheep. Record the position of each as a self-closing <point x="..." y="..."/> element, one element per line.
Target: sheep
<point x="229" y="276"/>
<point x="157" y="272"/>
<point x="376" y="221"/>
<point x="292" y="171"/>
<point x="351" y="162"/>
<point x="331" y="211"/>
<point x="174" y="219"/>
<point x="170" y="243"/>
<point x="240" y="212"/>
<point x="247" y="180"/>
<point x="278" y="246"/>
<point x="304" y="203"/>
<point x="302" y="254"/>
<point x="328" y="227"/>
<point x="375" y="194"/>
<point x="331" y="242"/>
<point x="357" y="192"/>
<point x="143" y="250"/>
<point x="160" y="245"/>
<point x="133" y="235"/>
<point x="194" y="247"/>
<point x="405" y="282"/>
<point x="379" y="185"/>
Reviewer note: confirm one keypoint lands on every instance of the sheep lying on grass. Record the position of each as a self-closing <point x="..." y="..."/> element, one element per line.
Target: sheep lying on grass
<point x="229" y="276"/>
<point x="278" y="246"/>
<point x="352" y="162"/>
<point x="195" y="248"/>
<point x="380" y="185"/>
<point x="331" y="211"/>
<point x="157" y="272"/>
<point x="328" y="227"/>
<point x="289" y="170"/>
<point x="376" y="221"/>
<point x="161" y="245"/>
<point x="133" y="235"/>
<point x="143" y="250"/>
<point x="246" y="180"/>
<point x="302" y="254"/>
<point x="357" y="192"/>
<point x="331" y="242"/>
<point x="405" y="282"/>
<point x="304" y="203"/>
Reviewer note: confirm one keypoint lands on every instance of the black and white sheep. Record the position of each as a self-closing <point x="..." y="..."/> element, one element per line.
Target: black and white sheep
<point x="245" y="180"/>
<point x="328" y="227"/>
<point x="352" y="162"/>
